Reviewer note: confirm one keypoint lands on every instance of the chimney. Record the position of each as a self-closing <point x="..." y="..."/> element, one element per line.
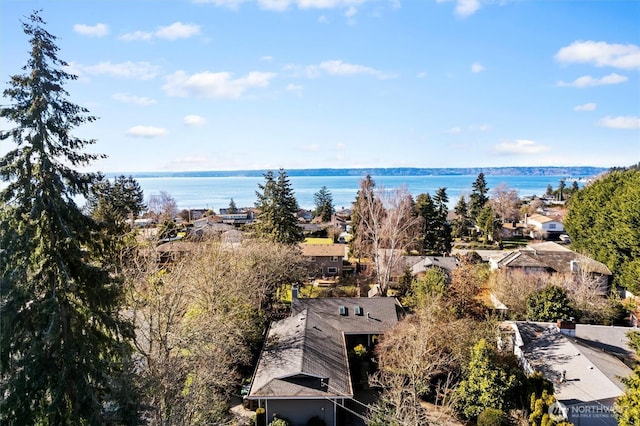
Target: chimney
<point x="294" y="292"/>
<point x="567" y="327"/>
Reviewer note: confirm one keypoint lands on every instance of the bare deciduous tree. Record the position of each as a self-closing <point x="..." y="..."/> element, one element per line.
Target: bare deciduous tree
<point x="422" y="359"/>
<point x="505" y="202"/>
<point x="388" y="223"/>
<point x="200" y="321"/>
<point x="162" y="206"/>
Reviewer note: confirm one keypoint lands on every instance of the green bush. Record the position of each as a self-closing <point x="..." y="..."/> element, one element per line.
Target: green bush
<point x="491" y="417"/>
<point x="280" y="422"/>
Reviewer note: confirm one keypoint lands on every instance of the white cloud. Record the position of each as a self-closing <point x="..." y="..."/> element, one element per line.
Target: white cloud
<point x="351" y="12"/>
<point x="628" y="122"/>
<point x="601" y="54"/>
<point x="477" y="67"/>
<point x="137" y="35"/>
<point x="134" y="100"/>
<point x="97" y="30"/>
<point x="146" y="132"/>
<point x="520" y="147"/>
<point x="422" y="74"/>
<point x="590" y="106"/>
<point x="333" y="67"/>
<point x="454" y="131"/>
<point x="464" y="8"/>
<point x="311" y="148"/>
<point x="267" y="58"/>
<point x="177" y="30"/>
<point x="323" y="19"/>
<point x="171" y="32"/>
<point x="340" y="147"/>
<point x="218" y="85"/>
<point x="193" y="120"/>
<point x="134" y="70"/>
<point x="297" y="89"/>
<point x="282" y="5"/>
<point x="589" y="81"/>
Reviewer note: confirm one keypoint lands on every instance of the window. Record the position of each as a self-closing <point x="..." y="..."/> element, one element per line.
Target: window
<point x="335" y="258"/>
<point x="332" y="270"/>
<point x="552" y="226"/>
<point x="312" y="259"/>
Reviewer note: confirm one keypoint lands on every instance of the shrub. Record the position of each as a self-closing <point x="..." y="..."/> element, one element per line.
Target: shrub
<point x="280" y="422"/>
<point x="491" y="417"/>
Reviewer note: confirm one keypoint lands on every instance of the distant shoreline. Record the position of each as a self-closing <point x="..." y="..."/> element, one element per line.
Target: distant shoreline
<point x="574" y="172"/>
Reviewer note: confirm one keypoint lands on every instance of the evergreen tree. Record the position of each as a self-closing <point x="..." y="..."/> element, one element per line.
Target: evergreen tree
<point x="232" y="207"/>
<point x="603" y="220"/>
<point x="461" y="223"/>
<point x="429" y="235"/>
<point x="549" y="304"/>
<point x="444" y="228"/>
<point x="116" y="202"/>
<point x="324" y="204"/>
<point x="278" y="207"/>
<point x="63" y="344"/>
<point x="478" y="197"/>
<point x="487" y="384"/>
<point x="628" y="404"/>
<point x="361" y="243"/>
<point x="561" y="186"/>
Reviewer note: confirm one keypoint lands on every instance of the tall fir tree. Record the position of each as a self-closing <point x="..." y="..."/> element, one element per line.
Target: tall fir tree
<point x="478" y="197"/>
<point x="63" y="343"/>
<point x="444" y="228"/>
<point x="427" y="211"/>
<point x="324" y="204"/>
<point x="461" y="222"/>
<point x="278" y="207"/>
<point x="361" y="243"/>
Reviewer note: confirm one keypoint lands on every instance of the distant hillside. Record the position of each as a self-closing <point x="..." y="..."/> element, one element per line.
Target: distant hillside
<point x="398" y="171"/>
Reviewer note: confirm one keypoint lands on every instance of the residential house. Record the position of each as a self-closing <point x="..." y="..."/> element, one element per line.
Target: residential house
<point x="304" y="368"/>
<point x="584" y="363"/>
<point x="236" y="219"/>
<point x="543" y="227"/>
<point x="325" y="260"/>
<point x="209" y="226"/>
<point x="551" y="257"/>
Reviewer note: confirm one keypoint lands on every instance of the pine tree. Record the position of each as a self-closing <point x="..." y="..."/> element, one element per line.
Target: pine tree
<point x="461" y="223"/>
<point x="324" y="204"/>
<point x="478" y="197"/>
<point x="426" y="209"/>
<point x="361" y="244"/>
<point x="278" y="207"/>
<point x="63" y="345"/>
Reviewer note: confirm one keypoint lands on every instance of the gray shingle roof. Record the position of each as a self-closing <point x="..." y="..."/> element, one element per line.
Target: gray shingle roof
<point x="305" y="355"/>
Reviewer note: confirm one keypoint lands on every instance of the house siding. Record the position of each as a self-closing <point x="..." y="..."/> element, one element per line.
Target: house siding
<point x="301" y="411"/>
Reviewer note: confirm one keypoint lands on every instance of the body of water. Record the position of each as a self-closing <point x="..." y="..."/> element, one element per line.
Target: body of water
<point x="195" y="192"/>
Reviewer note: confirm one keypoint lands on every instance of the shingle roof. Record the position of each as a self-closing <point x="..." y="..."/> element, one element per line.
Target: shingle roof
<point x="323" y="250"/>
<point x="305" y="355"/>
<point x="591" y="374"/>
<point x="553" y="256"/>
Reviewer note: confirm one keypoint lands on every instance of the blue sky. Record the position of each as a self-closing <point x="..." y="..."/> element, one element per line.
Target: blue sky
<point x="264" y="84"/>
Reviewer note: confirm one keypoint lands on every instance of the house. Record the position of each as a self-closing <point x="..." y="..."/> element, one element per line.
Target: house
<point x="551" y="257"/>
<point x="325" y="260"/>
<point x="541" y="226"/>
<point x="209" y="226"/>
<point x="584" y="363"/>
<point x="304" y="369"/>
